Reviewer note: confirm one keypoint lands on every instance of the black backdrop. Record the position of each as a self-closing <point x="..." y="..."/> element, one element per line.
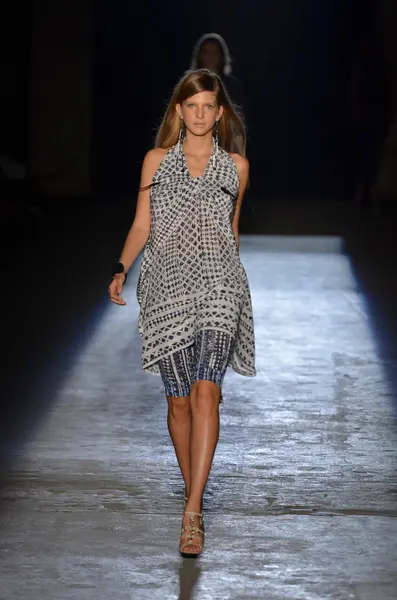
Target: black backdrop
<point x="293" y="57"/>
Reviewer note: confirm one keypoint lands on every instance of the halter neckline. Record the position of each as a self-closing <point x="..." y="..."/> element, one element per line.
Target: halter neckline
<point x="186" y="166"/>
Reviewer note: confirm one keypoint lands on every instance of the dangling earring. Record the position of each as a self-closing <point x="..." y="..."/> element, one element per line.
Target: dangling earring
<point x="179" y="144"/>
<point x="181" y="133"/>
<point x="216" y="143"/>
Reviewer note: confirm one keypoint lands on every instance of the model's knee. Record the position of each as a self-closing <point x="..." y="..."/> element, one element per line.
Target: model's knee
<point x="205" y="398"/>
<point x="179" y="407"/>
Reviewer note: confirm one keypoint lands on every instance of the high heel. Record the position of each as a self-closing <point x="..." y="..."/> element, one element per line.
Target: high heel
<point x="192" y="536"/>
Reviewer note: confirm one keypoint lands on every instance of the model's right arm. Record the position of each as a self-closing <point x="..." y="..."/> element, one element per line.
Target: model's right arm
<point x="139" y="232"/>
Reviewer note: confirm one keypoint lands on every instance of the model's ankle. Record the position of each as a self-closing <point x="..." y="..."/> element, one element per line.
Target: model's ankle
<point x="194" y="504"/>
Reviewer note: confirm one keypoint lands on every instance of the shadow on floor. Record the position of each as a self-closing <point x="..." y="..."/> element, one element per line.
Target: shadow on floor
<point x="56" y="268"/>
<point x="371" y="248"/>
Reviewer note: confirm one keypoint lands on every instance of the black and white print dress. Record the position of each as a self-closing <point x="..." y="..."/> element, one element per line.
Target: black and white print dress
<point x="191" y="276"/>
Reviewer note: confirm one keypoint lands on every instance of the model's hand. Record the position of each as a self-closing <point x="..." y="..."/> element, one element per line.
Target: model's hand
<point x="115" y="289"/>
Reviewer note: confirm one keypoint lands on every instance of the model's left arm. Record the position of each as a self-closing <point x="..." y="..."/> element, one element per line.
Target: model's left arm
<point x="242" y="165"/>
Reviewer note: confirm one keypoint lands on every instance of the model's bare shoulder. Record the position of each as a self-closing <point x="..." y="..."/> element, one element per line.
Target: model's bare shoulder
<point x="151" y="163"/>
<point x="242" y="163"/>
<point x="243" y="168"/>
<point x="154" y="157"/>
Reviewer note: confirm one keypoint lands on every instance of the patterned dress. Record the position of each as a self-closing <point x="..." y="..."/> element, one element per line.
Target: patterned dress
<point x="191" y="279"/>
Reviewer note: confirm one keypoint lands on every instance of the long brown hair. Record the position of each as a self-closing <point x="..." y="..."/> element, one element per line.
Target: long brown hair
<point x="231" y="130"/>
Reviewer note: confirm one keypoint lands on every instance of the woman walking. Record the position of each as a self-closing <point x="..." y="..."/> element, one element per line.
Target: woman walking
<point x="195" y="305"/>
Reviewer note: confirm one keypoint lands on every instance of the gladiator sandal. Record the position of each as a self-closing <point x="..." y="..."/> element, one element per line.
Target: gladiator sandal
<point x="192" y="536"/>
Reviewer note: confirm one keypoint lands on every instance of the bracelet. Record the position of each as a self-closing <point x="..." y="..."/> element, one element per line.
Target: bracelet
<point x="119" y="269"/>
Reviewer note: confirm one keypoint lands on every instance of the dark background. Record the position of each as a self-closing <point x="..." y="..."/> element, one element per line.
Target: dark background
<point x="292" y="57"/>
<point x="15" y="49"/>
<point x="85" y="85"/>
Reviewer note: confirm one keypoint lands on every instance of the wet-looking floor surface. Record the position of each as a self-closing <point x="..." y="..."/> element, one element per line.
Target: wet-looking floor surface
<point x="302" y="499"/>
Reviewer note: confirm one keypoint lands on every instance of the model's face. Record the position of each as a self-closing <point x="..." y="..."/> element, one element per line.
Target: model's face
<point x="200" y="112"/>
<point x="210" y="56"/>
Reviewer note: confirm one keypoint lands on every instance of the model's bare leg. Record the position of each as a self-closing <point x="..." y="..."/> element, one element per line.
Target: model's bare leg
<point x="179" y="426"/>
<point x="204" y="402"/>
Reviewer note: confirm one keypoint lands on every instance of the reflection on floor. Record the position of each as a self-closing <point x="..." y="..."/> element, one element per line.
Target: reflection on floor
<point x="302" y="500"/>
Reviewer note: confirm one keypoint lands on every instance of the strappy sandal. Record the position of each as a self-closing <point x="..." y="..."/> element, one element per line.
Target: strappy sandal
<point x="192" y="536"/>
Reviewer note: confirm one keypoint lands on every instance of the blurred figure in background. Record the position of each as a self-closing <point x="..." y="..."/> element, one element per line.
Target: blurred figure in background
<point x="211" y="52"/>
